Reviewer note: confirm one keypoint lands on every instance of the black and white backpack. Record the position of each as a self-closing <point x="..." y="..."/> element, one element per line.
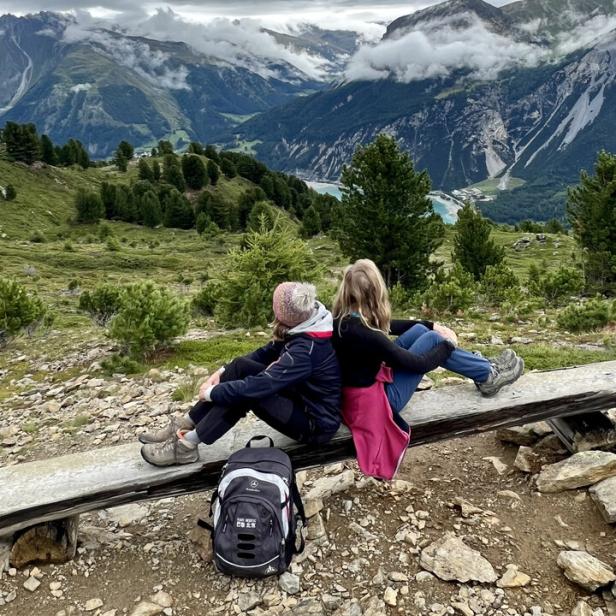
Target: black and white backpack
<point x="255" y="513"/>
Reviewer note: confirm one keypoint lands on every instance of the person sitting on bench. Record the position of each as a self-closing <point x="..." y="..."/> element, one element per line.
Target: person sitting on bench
<point x="380" y="373"/>
<point x="293" y="384"/>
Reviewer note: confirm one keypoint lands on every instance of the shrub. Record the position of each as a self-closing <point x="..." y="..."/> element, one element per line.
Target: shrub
<point x="205" y="301"/>
<point x="120" y="364"/>
<point x="148" y="319"/>
<point x="497" y="284"/>
<point x="113" y="245"/>
<point x="556" y="287"/>
<point x="102" y="303"/>
<point x="270" y="256"/>
<point x="38" y="237"/>
<point x="194" y="171"/>
<point x="68" y="246"/>
<point x="73" y="285"/>
<point x="451" y="292"/>
<point x="19" y="310"/>
<point x="10" y="193"/>
<point x="104" y="231"/>
<point x="213" y="172"/>
<point x="587" y="316"/>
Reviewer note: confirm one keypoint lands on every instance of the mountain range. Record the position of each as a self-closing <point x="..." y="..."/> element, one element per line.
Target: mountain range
<point x="102" y="85"/>
<point x="471" y="90"/>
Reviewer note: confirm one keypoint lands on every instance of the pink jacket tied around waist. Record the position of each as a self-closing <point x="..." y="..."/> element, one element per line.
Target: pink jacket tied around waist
<point x="379" y="442"/>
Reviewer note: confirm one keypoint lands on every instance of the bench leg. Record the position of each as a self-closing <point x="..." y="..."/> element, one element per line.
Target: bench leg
<point x="50" y="542"/>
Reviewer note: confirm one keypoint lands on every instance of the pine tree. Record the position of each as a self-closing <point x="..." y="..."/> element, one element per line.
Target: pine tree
<point x="311" y="223"/>
<point x="145" y="172"/>
<point x="262" y="216"/>
<point x="591" y="210"/>
<point x="123" y="154"/>
<point x="473" y="248"/>
<point x="108" y="199"/>
<point x="150" y="210"/>
<point x="89" y="206"/>
<point x="213" y="172"/>
<point x="196" y="148"/>
<point x="48" y="152"/>
<point x="178" y="212"/>
<point x="10" y="194"/>
<point x="156" y="171"/>
<point x="125" y="207"/>
<point x="228" y="168"/>
<point x="194" y="171"/>
<point x="212" y="153"/>
<point x="386" y="215"/>
<point x="22" y="142"/>
<point x="172" y="173"/>
<point x="165" y="148"/>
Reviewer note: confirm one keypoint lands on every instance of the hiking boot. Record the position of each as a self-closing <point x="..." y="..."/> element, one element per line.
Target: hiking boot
<point x="500" y="376"/>
<point x="171" y="429"/>
<point x="505" y="359"/>
<point x="170" y="453"/>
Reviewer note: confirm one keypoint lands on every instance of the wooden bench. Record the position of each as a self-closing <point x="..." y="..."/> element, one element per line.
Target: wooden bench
<point x="59" y="488"/>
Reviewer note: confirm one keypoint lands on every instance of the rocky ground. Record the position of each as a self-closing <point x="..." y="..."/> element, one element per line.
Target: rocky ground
<point x="468" y="528"/>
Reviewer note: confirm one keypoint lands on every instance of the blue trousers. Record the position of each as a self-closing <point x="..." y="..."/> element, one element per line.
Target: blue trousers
<point x="419" y="339"/>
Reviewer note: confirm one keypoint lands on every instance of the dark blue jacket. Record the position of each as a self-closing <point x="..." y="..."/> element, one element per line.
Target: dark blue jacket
<point x="303" y="366"/>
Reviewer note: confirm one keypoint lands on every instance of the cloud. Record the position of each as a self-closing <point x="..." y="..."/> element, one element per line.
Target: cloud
<point x="438" y="49"/>
<point x="151" y="64"/>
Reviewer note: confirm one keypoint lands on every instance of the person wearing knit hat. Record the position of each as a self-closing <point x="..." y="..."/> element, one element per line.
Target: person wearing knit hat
<point x="293" y="384"/>
<point x="294" y="302"/>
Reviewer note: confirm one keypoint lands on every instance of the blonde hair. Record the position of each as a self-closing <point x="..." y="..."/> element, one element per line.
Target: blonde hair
<point x="363" y="291"/>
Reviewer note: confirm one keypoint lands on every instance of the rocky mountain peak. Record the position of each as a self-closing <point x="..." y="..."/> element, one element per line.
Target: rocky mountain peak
<point x="458" y="13"/>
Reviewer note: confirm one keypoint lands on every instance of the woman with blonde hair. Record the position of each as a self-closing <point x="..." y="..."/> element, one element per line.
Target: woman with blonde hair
<point x="380" y="375"/>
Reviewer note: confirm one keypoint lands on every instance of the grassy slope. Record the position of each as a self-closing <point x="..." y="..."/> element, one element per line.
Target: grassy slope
<point x="44" y="203"/>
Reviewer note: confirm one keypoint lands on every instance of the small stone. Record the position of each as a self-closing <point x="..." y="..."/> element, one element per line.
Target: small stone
<point x="93" y="604"/>
<point x="463" y="609"/>
<point x="11" y="596"/>
<point x="31" y="584"/>
<point x="55" y="585"/>
<point x="527" y="460"/>
<point x="398" y="576"/>
<point x="509" y="494"/>
<point x="424" y="576"/>
<point x="391" y="596"/>
<point x="125" y="515"/>
<point x="289" y="582"/>
<point x="248" y="600"/>
<point x="466" y="508"/>
<point x="498" y="464"/>
<point x="110" y="613"/>
<point x="581" y="469"/>
<point x="146" y="608"/>
<point x="163" y="599"/>
<point x="316" y="528"/>
<point x="585" y="570"/>
<point x="513" y="578"/>
<point x="582" y="609"/>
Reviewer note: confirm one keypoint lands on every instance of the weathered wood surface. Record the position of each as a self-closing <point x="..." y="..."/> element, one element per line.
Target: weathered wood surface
<point x="52" y="489"/>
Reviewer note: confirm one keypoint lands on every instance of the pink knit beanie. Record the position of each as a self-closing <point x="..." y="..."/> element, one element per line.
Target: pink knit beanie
<point x="294" y="302"/>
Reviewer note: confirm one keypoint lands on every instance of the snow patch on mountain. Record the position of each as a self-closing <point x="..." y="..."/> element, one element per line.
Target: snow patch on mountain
<point x="24" y="82"/>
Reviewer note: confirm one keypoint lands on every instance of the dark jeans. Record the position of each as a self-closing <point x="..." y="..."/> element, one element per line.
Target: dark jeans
<point x="283" y="412"/>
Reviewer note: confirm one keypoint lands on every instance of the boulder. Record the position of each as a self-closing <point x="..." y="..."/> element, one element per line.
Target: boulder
<point x="604" y="495"/>
<point x="581" y="469"/>
<point x="582" y="609"/>
<point x="147" y="608"/>
<point x="50" y="542"/>
<point x="586" y="570"/>
<point x="450" y="559"/>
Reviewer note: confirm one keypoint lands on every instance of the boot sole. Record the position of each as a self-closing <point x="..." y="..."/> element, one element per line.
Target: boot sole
<point x="165" y="465"/>
<point x="512" y="379"/>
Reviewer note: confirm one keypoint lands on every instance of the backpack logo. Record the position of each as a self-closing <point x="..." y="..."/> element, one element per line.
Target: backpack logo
<point x="270" y="569"/>
<point x="254" y="483"/>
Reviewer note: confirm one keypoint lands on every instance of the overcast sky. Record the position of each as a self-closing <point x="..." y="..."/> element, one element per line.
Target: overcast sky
<point x="268" y="10"/>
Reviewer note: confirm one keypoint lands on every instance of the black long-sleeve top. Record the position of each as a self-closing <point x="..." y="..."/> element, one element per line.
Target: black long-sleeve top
<point x="362" y="350"/>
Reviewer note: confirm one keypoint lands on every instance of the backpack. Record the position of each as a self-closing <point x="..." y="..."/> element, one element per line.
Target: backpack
<point x="255" y="510"/>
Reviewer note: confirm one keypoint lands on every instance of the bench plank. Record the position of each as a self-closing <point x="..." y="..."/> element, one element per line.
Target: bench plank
<point x="35" y="492"/>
